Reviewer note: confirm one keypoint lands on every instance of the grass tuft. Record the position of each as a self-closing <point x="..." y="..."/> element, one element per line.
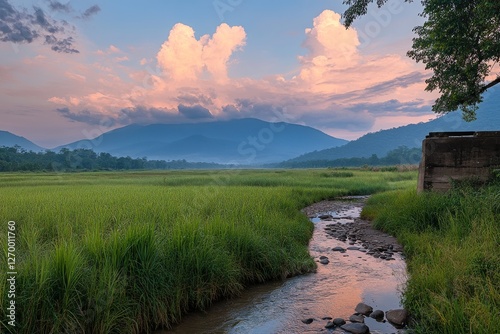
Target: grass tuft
<point x="451" y="241"/>
<point x="131" y="252"/>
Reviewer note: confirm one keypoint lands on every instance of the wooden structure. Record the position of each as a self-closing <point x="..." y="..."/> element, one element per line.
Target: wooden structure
<point x="448" y="157"/>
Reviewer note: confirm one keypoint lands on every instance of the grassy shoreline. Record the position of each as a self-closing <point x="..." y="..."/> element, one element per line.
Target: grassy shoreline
<point x="131" y="252"/>
<point x="451" y="242"/>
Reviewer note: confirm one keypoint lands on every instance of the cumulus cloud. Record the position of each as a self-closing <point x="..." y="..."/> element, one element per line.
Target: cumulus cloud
<point x="218" y="49"/>
<point x="184" y="57"/>
<point x="330" y="46"/>
<point x="338" y="86"/>
<point x="181" y="54"/>
<point x="329" y="41"/>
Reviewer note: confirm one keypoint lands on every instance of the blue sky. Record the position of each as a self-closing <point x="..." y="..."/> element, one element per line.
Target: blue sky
<point x="139" y="62"/>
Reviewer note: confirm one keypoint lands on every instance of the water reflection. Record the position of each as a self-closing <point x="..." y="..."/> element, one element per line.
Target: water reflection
<point x="333" y="291"/>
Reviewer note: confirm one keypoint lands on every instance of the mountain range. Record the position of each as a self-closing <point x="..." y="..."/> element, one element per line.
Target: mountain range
<point x="10" y="140"/>
<point x="252" y="142"/>
<point x="237" y="141"/>
<point x="412" y="135"/>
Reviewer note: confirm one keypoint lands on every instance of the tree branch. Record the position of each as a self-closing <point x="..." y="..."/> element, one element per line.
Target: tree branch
<point x="491" y="84"/>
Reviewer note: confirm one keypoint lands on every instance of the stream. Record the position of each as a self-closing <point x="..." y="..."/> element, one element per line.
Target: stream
<point x="334" y="290"/>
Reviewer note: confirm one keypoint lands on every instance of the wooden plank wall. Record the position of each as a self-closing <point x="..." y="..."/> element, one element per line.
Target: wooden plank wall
<point x="457" y="156"/>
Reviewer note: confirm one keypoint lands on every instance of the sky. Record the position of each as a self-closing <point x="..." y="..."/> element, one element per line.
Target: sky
<point x="73" y="70"/>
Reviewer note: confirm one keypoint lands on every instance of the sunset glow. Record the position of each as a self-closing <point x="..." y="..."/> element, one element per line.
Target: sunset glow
<point x="169" y="62"/>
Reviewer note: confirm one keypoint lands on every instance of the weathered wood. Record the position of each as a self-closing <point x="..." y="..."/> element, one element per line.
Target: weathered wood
<point x="448" y="156"/>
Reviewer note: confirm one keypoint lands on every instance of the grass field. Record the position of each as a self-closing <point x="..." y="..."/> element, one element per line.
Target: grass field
<point x="452" y="244"/>
<point x="125" y="252"/>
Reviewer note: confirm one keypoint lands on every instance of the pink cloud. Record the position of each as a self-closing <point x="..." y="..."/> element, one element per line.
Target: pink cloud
<point x="184" y="58"/>
<point x="110" y="50"/>
<point x="219" y="48"/>
<point x="180" y="55"/>
<point x="329" y="42"/>
<point x="334" y="80"/>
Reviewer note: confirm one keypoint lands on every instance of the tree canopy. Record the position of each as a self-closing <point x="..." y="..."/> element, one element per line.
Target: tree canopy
<point x="459" y="42"/>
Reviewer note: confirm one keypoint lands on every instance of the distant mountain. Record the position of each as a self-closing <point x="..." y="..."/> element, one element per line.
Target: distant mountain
<point x="240" y="141"/>
<point x="8" y="139"/>
<point x="411" y="136"/>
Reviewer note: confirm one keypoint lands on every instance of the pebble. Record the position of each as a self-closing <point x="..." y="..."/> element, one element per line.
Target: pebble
<point x="362" y="308"/>
<point x="356" y="328"/>
<point x="357" y="318"/>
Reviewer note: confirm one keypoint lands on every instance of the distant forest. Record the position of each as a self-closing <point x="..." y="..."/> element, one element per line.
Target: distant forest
<point x="17" y="159"/>
<point x="399" y="156"/>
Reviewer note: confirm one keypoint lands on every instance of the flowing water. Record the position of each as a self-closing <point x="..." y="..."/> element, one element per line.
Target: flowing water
<point x="333" y="291"/>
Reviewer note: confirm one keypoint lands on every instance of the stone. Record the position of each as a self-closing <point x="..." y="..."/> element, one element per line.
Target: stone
<point x="326" y="318"/>
<point x="377" y="315"/>
<point x="397" y="317"/>
<point x="356" y="328"/>
<point x="364" y="309"/>
<point x="339" y="321"/>
<point x="324" y="261"/>
<point x="357" y="318"/>
<point x="330" y="324"/>
<point x="308" y="321"/>
<point x="323" y="217"/>
<point x="352" y="248"/>
<point x="338" y="249"/>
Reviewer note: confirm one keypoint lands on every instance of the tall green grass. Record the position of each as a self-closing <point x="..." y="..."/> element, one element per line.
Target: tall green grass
<point x="452" y="242"/>
<point x="131" y="252"/>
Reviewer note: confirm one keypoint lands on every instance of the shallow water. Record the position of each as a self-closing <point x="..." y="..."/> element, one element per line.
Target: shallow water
<point x="333" y="291"/>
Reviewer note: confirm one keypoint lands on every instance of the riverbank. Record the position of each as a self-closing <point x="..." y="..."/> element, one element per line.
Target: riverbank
<point x="132" y="252"/>
<point x="310" y="303"/>
<point x="451" y="242"/>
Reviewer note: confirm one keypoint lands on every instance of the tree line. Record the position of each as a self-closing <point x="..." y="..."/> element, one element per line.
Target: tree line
<point x="399" y="156"/>
<point x="15" y="158"/>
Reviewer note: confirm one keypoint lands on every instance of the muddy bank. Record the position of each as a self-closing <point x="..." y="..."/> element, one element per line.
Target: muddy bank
<point x="307" y="303"/>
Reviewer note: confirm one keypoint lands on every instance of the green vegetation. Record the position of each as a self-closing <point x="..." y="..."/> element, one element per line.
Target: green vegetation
<point x="13" y="159"/>
<point x="399" y="156"/>
<point x="132" y="251"/>
<point x="451" y="242"/>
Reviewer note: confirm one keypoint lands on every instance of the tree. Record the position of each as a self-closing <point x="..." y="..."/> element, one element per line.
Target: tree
<point x="459" y="42"/>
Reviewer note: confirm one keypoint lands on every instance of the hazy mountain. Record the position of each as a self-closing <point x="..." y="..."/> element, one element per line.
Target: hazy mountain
<point x="381" y="142"/>
<point x="9" y="140"/>
<point x="244" y="141"/>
